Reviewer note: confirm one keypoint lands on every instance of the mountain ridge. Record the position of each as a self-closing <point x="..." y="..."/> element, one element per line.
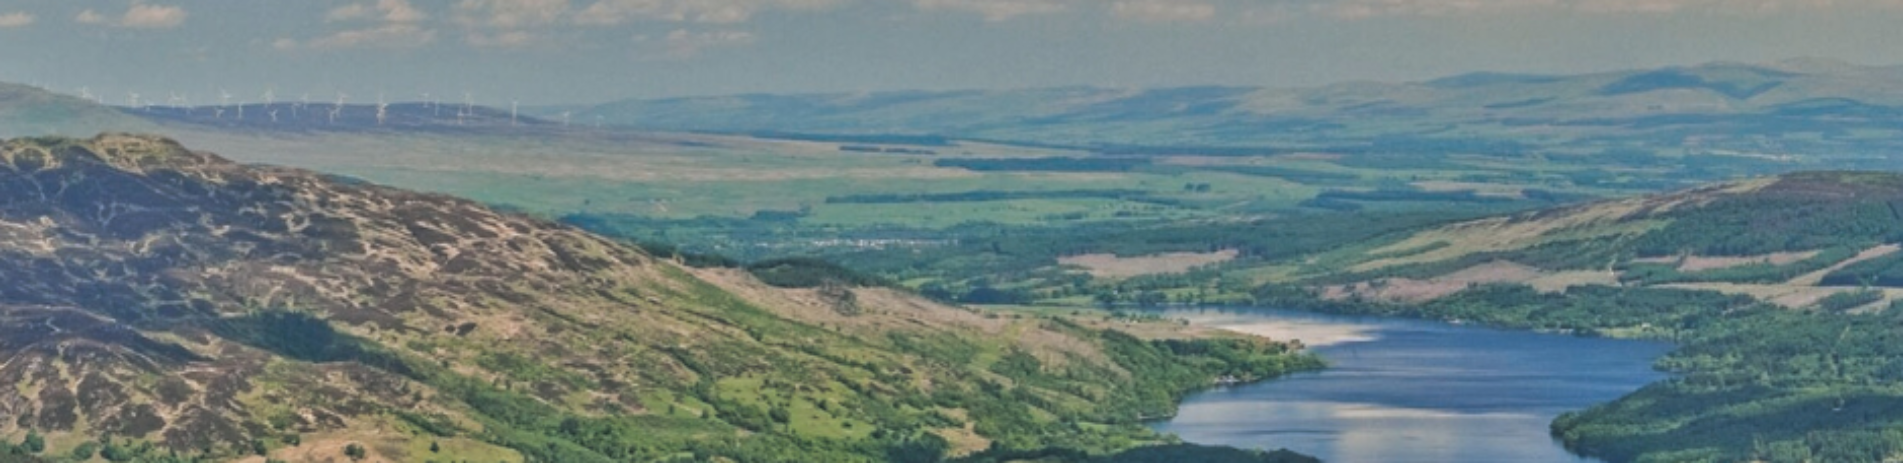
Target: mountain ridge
<point x="1474" y="105"/>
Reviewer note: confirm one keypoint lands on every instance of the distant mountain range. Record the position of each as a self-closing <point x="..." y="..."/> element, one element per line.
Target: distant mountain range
<point x="1794" y="107"/>
<point x="1817" y="99"/>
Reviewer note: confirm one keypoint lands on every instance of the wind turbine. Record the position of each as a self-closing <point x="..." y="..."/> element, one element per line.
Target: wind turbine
<point x="339" y="107"/>
<point x="87" y="94"/>
<point x="512" y="106"/>
<point x="178" y="101"/>
<point x="381" y="107"/>
<point x="300" y="104"/>
<point x="270" y="96"/>
<point x="274" y="115"/>
<point x="468" y="102"/>
<point x="224" y="98"/>
<point x="564" y="118"/>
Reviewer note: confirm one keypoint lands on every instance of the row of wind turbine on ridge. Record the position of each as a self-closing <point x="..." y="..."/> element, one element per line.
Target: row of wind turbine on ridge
<point x="176" y="100"/>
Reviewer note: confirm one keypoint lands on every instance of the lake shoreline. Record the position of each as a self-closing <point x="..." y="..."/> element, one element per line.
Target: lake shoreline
<point x="1451" y="392"/>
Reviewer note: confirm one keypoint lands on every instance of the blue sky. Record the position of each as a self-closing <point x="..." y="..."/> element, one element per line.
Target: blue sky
<point x="571" y="51"/>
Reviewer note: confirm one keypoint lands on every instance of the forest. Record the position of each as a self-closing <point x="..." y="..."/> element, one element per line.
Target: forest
<point x="1161" y="372"/>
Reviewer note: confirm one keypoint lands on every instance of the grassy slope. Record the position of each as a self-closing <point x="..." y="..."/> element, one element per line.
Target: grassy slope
<point x="368" y="315"/>
<point x="1761" y="375"/>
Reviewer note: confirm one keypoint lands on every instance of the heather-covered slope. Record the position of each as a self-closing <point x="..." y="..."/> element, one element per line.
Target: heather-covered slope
<point x="159" y="296"/>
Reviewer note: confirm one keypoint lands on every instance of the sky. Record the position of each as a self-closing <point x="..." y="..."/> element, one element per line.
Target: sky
<point x="586" y="51"/>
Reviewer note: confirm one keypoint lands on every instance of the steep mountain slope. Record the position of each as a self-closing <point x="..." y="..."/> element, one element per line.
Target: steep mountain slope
<point x="1782" y="293"/>
<point x="157" y="295"/>
<point x="1696" y="106"/>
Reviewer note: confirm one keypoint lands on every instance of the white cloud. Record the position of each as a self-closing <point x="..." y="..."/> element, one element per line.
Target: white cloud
<point x="995" y="10"/>
<point x="509" y="14"/>
<point x="683" y="43"/>
<point x="1357" y="9"/>
<point x="396" y="27"/>
<point x="90" y="17"/>
<point x="388" y="36"/>
<point x="146" y="16"/>
<point x="1163" y="10"/>
<point x="349" y="12"/>
<point x="139" y="16"/>
<point x="506" y="23"/>
<point x="1267" y="14"/>
<point x="400" y="11"/>
<point x="394" y="11"/>
<point x="1633" y="6"/>
<point x="504" y="39"/>
<point x="615" y="12"/>
<point x="1726" y="6"/>
<point x="16" y="19"/>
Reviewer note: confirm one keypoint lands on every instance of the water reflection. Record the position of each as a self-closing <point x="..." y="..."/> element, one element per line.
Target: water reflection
<point x="1411" y="391"/>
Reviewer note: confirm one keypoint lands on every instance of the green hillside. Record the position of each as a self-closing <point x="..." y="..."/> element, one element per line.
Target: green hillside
<point x="1779" y="291"/>
<point x="169" y="305"/>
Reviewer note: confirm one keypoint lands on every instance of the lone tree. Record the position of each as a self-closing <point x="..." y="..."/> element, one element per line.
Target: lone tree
<point x="354" y="451"/>
<point x="33" y="443"/>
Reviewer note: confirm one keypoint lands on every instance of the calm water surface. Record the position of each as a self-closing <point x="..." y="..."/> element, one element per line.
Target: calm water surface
<point x="1412" y="391"/>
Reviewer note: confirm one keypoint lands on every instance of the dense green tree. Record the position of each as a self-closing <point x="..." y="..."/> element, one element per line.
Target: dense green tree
<point x="33" y="443"/>
<point x="84" y="451"/>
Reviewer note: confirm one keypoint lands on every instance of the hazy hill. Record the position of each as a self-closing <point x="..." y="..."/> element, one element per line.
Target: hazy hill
<point x="167" y="302"/>
<point x="1666" y="106"/>
<point x="31" y="111"/>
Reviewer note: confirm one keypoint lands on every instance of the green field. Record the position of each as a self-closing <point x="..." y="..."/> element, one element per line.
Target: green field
<point x="984" y="215"/>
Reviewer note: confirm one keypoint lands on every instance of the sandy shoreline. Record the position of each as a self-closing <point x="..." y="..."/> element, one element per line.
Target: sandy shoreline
<point x="1311" y="334"/>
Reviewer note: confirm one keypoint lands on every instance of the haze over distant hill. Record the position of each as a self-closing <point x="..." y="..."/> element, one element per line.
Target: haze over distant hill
<point x="26" y="110"/>
<point x="1662" y="107"/>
